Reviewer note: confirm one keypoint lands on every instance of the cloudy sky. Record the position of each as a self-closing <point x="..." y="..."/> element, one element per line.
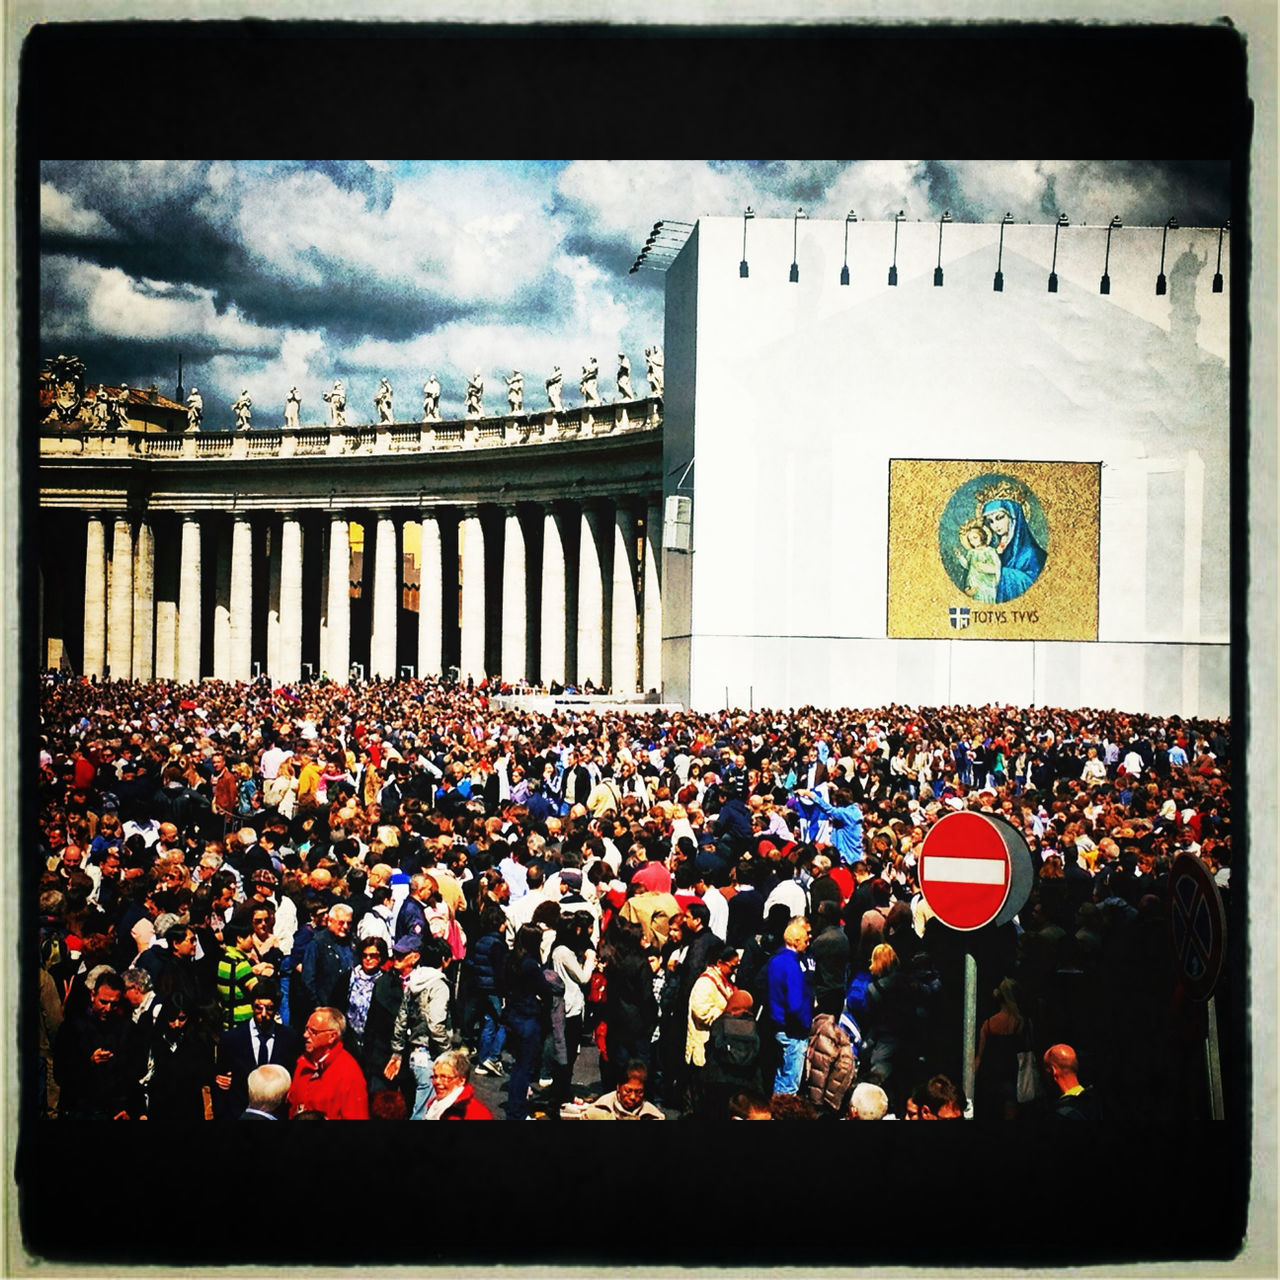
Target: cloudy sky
<point x="264" y="275"/>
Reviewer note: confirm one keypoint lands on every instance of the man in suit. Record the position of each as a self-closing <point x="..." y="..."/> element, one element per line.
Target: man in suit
<point x="261" y="1041"/>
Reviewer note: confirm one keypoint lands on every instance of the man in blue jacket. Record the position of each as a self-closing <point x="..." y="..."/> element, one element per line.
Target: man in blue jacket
<point x="846" y="822"/>
<point x="790" y="1004"/>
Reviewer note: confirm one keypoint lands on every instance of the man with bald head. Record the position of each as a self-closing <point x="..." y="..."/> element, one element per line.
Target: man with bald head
<point x="1075" y="1101"/>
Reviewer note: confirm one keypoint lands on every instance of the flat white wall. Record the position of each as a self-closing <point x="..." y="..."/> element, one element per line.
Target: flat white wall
<point x="792" y="399"/>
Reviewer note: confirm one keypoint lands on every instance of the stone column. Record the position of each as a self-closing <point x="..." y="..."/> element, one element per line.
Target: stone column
<point x="288" y="654"/>
<point x="120" y="603"/>
<point x="189" y="584"/>
<point x="166" y="579"/>
<point x="241" y="655"/>
<point x="473" y="597"/>
<point x="272" y="548"/>
<point x="221" y="600"/>
<point x="515" y="620"/>
<point x="430" y="625"/>
<point x="590" y="604"/>
<point x="144" y="599"/>
<point x="624" y="669"/>
<point x="652" y="629"/>
<point x="95" y="597"/>
<point x="386" y="602"/>
<point x="553" y="601"/>
<point x="337" y="661"/>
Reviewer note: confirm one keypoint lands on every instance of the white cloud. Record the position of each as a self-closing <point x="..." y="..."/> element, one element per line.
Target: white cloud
<point x="63" y="213"/>
<point x="465" y="238"/>
<point x="108" y="302"/>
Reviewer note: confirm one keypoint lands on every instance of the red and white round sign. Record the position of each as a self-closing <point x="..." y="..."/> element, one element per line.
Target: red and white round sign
<point x="973" y="869"/>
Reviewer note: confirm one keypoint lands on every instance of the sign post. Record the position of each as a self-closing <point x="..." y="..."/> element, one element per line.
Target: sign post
<point x="975" y="870"/>
<point x="1199" y="928"/>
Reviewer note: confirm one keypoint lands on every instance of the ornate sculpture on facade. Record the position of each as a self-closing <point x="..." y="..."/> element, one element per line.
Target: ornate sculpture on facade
<point x="337" y="402"/>
<point x="120" y="409"/>
<point x="555" y="384"/>
<point x="587" y="384"/>
<point x="431" y="399"/>
<point x="195" y="409"/>
<point x="382" y="402"/>
<point x="475" y="395"/>
<point x="64" y="376"/>
<point x="515" y="391"/>
<point x="102" y="409"/>
<point x="243" y="409"/>
<point x="653" y="369"/>
<point x="292" y="407"/>
<point x="624" y="378"/>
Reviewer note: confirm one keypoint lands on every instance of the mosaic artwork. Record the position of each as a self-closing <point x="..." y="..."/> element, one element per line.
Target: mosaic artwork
<point x="993" y="550"/>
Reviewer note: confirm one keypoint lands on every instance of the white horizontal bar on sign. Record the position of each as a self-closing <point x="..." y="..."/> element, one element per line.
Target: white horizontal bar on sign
<point x="964" y="870"/>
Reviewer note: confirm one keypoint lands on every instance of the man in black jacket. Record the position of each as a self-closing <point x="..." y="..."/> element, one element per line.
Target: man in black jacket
<point x="95" y="1061"/>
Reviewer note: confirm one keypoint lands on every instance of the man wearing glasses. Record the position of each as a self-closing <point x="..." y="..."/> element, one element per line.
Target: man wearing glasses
<point x="260" y="1042"/>
<point x="327" y="1078"/>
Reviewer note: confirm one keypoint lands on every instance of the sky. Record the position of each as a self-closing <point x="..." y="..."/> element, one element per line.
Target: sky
<point x="264" y="275"/>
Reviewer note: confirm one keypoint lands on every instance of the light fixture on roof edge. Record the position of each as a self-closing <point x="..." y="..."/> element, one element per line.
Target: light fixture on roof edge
<point x="795" y="231"/>
<point x="998" y="283"/>
<point x="1104" y="285"/>
<point x="893" y="270"/>
<point x="1063" y="221"/>
<point x="1162" y="284"/>
<point x="844" y="271"/>
<point x="937" y="271"/>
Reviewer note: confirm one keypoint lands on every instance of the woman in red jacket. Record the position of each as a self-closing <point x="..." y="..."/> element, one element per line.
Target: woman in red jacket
<point x="455" y="1098"/>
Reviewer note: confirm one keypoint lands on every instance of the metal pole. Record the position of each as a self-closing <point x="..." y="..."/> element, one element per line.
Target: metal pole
<point x="970" y="1047"/>
<point x="1214" y="1058"/>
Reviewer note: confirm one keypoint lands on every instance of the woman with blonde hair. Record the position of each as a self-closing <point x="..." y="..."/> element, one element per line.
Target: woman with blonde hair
<point x="887" y="1021"/>
<point x="1004" y="1035"/>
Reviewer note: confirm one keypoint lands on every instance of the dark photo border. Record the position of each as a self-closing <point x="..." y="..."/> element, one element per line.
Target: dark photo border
<point x="673" y="1195"/>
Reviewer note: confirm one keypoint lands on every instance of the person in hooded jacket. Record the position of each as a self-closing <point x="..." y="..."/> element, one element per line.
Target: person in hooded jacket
<point x="422" y="1024"/>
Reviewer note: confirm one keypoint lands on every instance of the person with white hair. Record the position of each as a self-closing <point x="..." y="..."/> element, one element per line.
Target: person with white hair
<point x="868" y="1102"/>
<point x="268" y="1088"/>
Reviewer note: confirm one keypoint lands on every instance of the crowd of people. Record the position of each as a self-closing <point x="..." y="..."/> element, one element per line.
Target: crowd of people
<point x="351" y="902"/>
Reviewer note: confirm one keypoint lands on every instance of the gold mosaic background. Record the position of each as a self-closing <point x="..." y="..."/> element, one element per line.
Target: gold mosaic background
<point x="1062" y="604"/>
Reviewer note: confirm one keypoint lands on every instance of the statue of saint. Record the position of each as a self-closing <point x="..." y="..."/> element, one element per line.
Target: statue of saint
<point x="624" y="378"/>
<point x="337" y="401"/>
<point x="475" y="395"/>
<point x="120" y="408"/>
<point x="292" y="404"/>
<point x="382" y="401"/>
<point x="102" y="409"/>
<point x="243" y="409"/>
<point x="587" y="383"/>
<point x="515" y="391"/>
<point x="431" y="399"/>
<point x="653" y="371"/>
<point x="555" y="384"/>
<point x="195" y="409"/>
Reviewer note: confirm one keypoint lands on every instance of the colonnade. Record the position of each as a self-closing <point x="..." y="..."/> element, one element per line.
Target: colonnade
<point x="562" y="592"/>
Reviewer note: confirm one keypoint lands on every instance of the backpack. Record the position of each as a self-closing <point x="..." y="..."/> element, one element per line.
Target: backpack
<point x="855" y="1002"/>
<point x="733" y="1052"/>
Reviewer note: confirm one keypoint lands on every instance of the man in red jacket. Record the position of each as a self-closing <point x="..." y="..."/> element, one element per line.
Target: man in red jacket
<point x="327" y="1078"/>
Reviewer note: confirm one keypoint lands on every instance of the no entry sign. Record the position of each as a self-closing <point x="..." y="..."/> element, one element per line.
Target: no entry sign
<point x="974" y="870"/>
<point x="1199" y="925"/>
